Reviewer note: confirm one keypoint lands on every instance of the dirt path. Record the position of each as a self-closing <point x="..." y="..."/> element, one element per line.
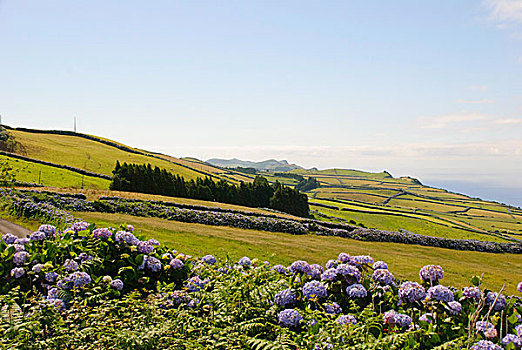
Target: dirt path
<point x="9" y="227"/>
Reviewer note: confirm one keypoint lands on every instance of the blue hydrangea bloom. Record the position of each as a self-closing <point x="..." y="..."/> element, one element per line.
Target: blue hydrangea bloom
<point x="9" y="238"/>
<point x="454" y="307"/>
<point x="285" y="297"/>
<point x="512" y="339"/>
<point x="356" y="291"/>
<point x="280" y="268"/>
<point x="330" y="264"/>
<point x="19" y="258"/>
<point x="289" y="318"/>
<point x="117" y="284"/>
<point x="145" y="247"/>
<point x="472" y="293"/>
<point x="102" y="233"/>
<point x="519" y="287"/>
<point x="153" y="264"/>
<point x="431" y="273"/>
<point x="127" y="237"/>
<point x="346" y="320"/>
<point x="329" y="275"/>
<point x="483" y="326"/>
<point x="440" y="293"/>
<point x="49" y="230"/>
<point x="500" y="303"/>
<point x="245" y="261"/>
<point x="80" y="226"/>
<point x="485" y="345"/>
<point x="380" y="265"/>
<point x="314" y="290"/>
<point x="70" y="265"/>
<point x="37" y="236"/>
<point x="362" y="259"/>
<point x="383" y="276"/>
<point x="315" y="271"/>
<point x="333" y="308"/>
<point x="37" y="268"/>
<point x="299" y="266"/>
<point x="176" y="264"/>
<point x="411" y="292"/>
<point x="349" y="272"/>
<point x="51" y="276"/>
<point x="427" y="317"/>
<point x="209" y="259"/>
<point x="343" y="257"/>
<point x="17" y="272"/>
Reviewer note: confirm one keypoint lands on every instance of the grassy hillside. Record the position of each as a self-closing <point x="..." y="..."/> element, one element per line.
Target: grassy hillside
<point x="50" y="176"/>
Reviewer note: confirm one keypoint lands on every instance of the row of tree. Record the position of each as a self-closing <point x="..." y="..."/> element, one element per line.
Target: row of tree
<point x="146" y="179"/>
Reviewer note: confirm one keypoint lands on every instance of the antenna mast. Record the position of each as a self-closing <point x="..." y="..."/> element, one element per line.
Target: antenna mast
<point x="74" y="124"/>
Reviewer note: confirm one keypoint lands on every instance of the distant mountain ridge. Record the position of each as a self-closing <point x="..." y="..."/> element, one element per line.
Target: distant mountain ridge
<point x="265" y="165"/>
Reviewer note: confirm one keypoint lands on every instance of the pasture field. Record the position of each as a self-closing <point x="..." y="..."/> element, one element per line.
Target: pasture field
<point x="50" y="176"/>
<point x="280" y="248"/>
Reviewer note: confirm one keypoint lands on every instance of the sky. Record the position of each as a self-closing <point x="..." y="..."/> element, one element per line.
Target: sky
<point x="430" y="89"/>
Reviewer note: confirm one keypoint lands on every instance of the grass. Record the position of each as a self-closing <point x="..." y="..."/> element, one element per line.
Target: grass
<point x="278" y="248"/>
<point x="51" y="176"/>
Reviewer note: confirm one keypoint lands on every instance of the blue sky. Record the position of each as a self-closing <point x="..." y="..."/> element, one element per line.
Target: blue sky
<point x="431" y="89"/>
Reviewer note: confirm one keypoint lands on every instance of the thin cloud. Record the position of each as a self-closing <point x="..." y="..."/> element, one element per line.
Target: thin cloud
<point x="478" y="87"/>
<point x="505" y="10"/>
<point x="443" y="121"/>
<point x="477" y="102"/>
<point x="508" y="121"/>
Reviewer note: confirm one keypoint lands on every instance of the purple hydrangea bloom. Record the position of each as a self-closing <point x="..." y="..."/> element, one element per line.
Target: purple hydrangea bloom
<point x="179" y="296"/>
<point x="280" y="268"/>
<point x="440" y="293"/>
<point x="79" y="278"/>
<point x="130" y="228"/>
<point x="431" y="273"/>
<point x="285" y="297"/>
<point x="346" y="320"/>
<point x="483" y="326"/>
<point x="145" y="247"/>
<point x="518" y="329"/>
<point x="333" y="308"/>
<point x="289" y="318"/>
<point x="454" y="307"/>
<point x="80" y="226"/>
<point x="485" y="345"/>
<point x="472" y="293"/>
<point x="380" y="265"/>
<point x="519" y="287"/>
<point x="49" y="230"/>
<point x="37" y="268"/>
<point x="176" y="264"/>
<point x="101" y="233"/>
<point x="154" y="242"/>
<point x="70" y="265"/>
<point x="427" y="317"/>
<point x="299" y="266"/>
<point x="209" y="259"/>
<point x="329" y="275"/>
<point x="127" y="237"/>
<point x="392" y="317"/>
<point x="9" y="238"/>
<point x="51" y="276"/>
<point x="245" y="261"/>
<point x="383" y="276"/>
<point x="349" y="272"/>
<point x="356" y="291"/>
<point x="84" y="257"/>
<point x="362" y="259"/>
<point x="22" y="241"/>
<point x="17" y="272"/>
<point x="117" y="284"/>
<point x="512" y="339"/>
<point x="315" y="271"/>
<point x="344" y="258"/>
<point x="37" y="236"/>
<point x="411" y="292"/>
<point x="195" y="283"/>
<point x="19" y="258"/>
<point x="57" y="303"/>
<point x="153" y="264"/>
<point x="19" y="247"/>
<point x="314" y="289"/>
<point x="500" y="303"/>
<point x="330" y="264"/>
<point x="53" y="293"/>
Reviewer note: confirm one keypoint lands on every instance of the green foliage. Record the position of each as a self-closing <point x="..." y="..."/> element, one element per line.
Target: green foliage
<point x="7" y="174"/>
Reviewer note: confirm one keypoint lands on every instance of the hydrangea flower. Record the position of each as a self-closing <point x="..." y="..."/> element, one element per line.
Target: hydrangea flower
<point x="37" y="268"/>
<point x="490" y="333"/>
<point x="70" y="265"/>
<point x="57" y="303"/>
<point x="333" y="308"/>
<point x="245" y="261"/>
<point x="51" y="276"/>
<point x="154" y="242"/>
<point x="285" y="297"/>
<point x="22" y="241"/>
<point x="80" y="226"/>
<point x="17" y="272"/>
<point x="84" y="257"/>
<point x="153" y="264"/>
<point x="380" y="265"/>
<point x="130" y="228"/>
<point x="440" y="293"/>
<point x="315" y="271"/>
<point x="179" y="296"/>
<point x="431" y="273"/>
<point x="176" y="264"/>
<point x="8" y="238"/>
<point x="280" y="268"/>
<point x="343" y="257"/>
<point x="518" y="329"/>
<point x="314" y="289"/>
<point x="102" y="233"/>
<point x="127" y="237"/>
<point x="519" y="287"/>
<point x="454" y="307"/>
<point x="472" y="293"/>
<point x="37" y="236"/>
<point x="383" y="276"/>
<point x="427" y="317"/>
<point x="117" y="284"/>
<point x="195" y="283"/>
<point x="49" y="230"/>
<point x="19" y="247"/>
<point x="485" y="345"/>
<point x="19" y="258"/>
<point x="107" y="279"/>
<point x="512" y="339"/>
<point x="53" y="293"/>
<point x="330" y="264"/>
<point x="329" y="275"/>
<point x="349" y="272"/>
<point x="356" y="291"/>
<point x="299" y="266"/>
<point x="209" y="259"/>
<point x="411" y="292"/>
<point x="289" y="318"/>
<point x="346" y="320"/>
<point x="500" y="303"/>
<point x="362" y="259"/>
<point x="393" y="318"/>
<point x="145" y="247"/>
<point x="483" y="326"/>
<point x="79" y="278"/>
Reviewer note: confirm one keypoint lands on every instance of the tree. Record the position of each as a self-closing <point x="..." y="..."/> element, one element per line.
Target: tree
<point x="7" y="174"/>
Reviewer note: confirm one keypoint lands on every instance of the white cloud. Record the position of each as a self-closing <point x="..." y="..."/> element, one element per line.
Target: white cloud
<point x="478" y="87"/>
<point x="482" y="101"/>
<point x="510" y="121"/>
<point x="443" y="121"/>
<point x="505" y="10"/>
